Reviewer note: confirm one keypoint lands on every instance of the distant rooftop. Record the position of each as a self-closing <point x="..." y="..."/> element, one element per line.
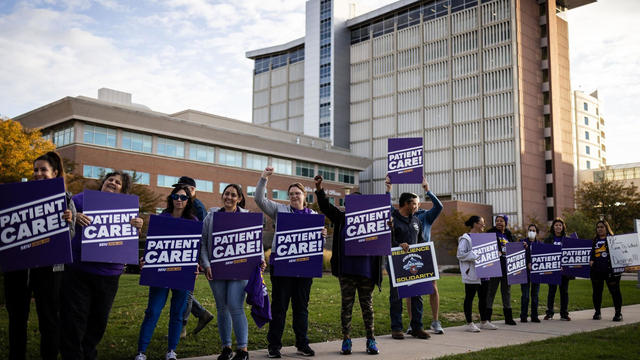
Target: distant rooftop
<point x="275" y="49"/>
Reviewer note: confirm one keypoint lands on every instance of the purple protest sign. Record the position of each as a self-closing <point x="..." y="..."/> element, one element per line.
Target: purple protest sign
<point x="575" y="257"/>
<point x="236" y="244"/>
<point x="546" y="263"/>
<point x="171" y="253"/>
<point x="32" y="231"/>
<point x="485" y="246"/>
<point x="411" y="270"/>
<point x="298" y="245"/>
<point x="110" y="238"/>
<point x="404" y="160"/>
<point x="516" y="263"/>
<point x="366" y="230"/>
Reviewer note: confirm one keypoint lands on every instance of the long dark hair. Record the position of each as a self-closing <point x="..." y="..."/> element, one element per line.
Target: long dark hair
<point x="54" y="160"/>
<point x="564" y="227"/>
<point x="126" y="180"/>
<point x="188" y="209"/>
<point x="606" y="226"/>
<point x="240" y="193"/>
<point x="472" y="221"/>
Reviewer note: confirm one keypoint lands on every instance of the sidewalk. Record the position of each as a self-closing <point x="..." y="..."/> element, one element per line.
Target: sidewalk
<point x="457" y="341"/>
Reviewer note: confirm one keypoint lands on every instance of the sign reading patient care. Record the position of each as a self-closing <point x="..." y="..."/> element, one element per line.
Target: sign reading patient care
<point x="516" y="263"/>
<point x="624" y="250"/>
<point x="411" y="268"/>
<point x="546" y="263"/>
<point x="575" y="257"/>
<point x="32" y="231"/>
<point x="298" y="245"/>
<point x="110" y="237"/>
<point x="485" y="246"/>
<point x="236" y="245"/>
<point x="366" y="230"/>
<point x="171" y="253"/>
<point x="404" y="160"/>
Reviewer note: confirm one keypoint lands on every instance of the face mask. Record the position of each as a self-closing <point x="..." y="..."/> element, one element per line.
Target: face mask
<point x="532" y="235"/>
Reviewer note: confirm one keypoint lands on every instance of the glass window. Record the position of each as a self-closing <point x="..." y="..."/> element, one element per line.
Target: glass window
<point x="586" y="135"/>
<point x="587" y="149"/>
<point x="251" y="191"/>
<point x="167" y="180"/>
<point x="230" y="157"/>
<point x="94" y="172"/>
<point x="325" y="130"/>
<point x="63" y="136"/>
<point x="325" y="91"/>
<point x="47" y="136"/>
<point x="332" y="201"/>
<point x="204" y="185"/>
<point x="138" y="177"/>
<point x="586" y="120"/>
<point x="282" y="166"/>
<point x="256" y="162"/>
<point x="346" y="176"/>
<point x="325" y="73"/>
<point x="327" y="172"/>
<point x="279" y="194"/>
<point x="201" y="152"/>
<point x="325" y="110"/>
<point x="221" y="187"/>
<point x="341" y="202"/>
<point x="170" y="147"/>
<point x="136" y="142"/>
<point x="262" y="65"/>
<point x="585" y="106"/>
<point x="588" y="164"/>
<point x="310" y="198"/>
<point x="99" y="135"/>
<point x="304" y="169"/>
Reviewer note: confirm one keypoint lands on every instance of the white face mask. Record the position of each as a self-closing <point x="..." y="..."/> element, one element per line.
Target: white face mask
<point x="532" y="235"/>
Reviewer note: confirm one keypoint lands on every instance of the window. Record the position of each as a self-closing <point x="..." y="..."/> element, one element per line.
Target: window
<point x="136" y="142"/>
<point x="549" y="190"/>
<point x="325" y="110"/>
<point x="588" y="164"/>
<point x="586" y="120"/>
<point x="341" y="202"/>
<point x="327" y="172"/>
<point x="279" y="194"/>
<point x="47" y="136"/>
<point x="230" y="157"/>
<point x="167" y="181"/>
<point x="550" y="213"/>
<point x="262" y="65"/>
<point x="586" y="135"/>
<point x="201" y="153"/>
<point x="170" y="147"/>
<point x="585" y="106"/>
<point x="204" y="185"/>
<point x="282" y="166"/>
<point x="325" y="91"/>
<point x="99" y="135"/>
<point x="94" y="172"/>
<point x="310" y="198"/>
<point x="325" y="73"/>
<point x="63" y="136"/>
<point x="325" y="130"/>
<point x="256" y="162"/>
<point x="251" y="191"/>
<point x="138" y="177"/>
<point x="332" y="201"/>
<point x="548" y="167"/>
<point x="221" y="187"/>
<point x="346" y="176"/>
<point x="587" y="149"/>
<point x="304" y="169"/>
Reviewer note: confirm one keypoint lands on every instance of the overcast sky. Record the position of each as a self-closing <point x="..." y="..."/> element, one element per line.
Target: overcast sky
<point x="178" y="54"/>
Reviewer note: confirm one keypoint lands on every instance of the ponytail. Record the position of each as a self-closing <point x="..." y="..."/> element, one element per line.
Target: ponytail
<point x="54" y="160"/>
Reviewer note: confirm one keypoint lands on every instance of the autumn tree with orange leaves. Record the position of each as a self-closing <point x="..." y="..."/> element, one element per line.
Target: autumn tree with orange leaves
<point x="18" y="148"/>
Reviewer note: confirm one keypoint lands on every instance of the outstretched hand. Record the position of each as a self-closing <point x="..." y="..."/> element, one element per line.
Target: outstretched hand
<point x="425" y="184"/>
<point x="268" y="171"/>
<point x="318" y="180"/>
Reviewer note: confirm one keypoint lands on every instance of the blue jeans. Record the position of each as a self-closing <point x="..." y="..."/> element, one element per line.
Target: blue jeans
<point x="229" y="295"/>
<point x="395" y="309"/>
<point x="535" y="289"/>
<point x="157" y="300"/>
<point x="193" y="307"/>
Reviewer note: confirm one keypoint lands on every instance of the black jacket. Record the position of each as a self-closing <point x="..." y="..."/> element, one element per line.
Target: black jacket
<point x="337" y="217"/>
<point x="406" y="229"/>
<point x="503" y="256"/>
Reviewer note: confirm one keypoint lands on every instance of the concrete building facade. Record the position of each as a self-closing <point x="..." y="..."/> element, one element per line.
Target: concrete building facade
<point x="589" y="131"/>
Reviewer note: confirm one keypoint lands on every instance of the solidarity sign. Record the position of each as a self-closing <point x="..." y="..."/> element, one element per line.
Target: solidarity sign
<point x="236" y="244"/>
<point x="405" y="160"/>
<point x="366" y="225"/>
<point x="298" y="245"/>
<point x="32" y="231"/>
<point x="546" y="264"/>
<point x="413" y="271"/>
<point x="485" y="246"/>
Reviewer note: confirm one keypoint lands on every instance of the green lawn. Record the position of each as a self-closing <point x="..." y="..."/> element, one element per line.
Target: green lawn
<point x="617" y="343"/>
<point x="120" y="340"/>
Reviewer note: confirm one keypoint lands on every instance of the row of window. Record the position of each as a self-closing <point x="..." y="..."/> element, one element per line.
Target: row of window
<point x="275" y="61"/>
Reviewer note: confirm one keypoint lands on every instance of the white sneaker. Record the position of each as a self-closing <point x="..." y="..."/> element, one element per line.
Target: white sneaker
<point x="471" y="327"/>
<point x="171" y="355"/>
<point x="487" y="325"/>
<point x="437" y="327"/>
<point x="140" y="356"/>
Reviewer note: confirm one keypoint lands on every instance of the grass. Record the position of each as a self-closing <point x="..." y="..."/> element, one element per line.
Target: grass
<point x="619" y="343"/>
<point x="120" y="339"/>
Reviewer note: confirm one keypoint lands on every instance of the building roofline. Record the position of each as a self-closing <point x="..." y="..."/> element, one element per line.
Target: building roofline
<point x="252" y="54"/>
<point x="379" y="12"/>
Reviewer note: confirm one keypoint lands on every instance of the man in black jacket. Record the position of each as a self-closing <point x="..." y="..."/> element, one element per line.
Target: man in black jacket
<point x="355" y="273"/>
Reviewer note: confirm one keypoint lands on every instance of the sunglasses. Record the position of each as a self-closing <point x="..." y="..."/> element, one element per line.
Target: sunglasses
<point x="180" y="197"/>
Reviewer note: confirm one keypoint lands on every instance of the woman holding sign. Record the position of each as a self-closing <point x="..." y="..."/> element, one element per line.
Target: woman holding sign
<point x="472" y="283"/>
<point x="503" y="236"/>
<point x="284" y="288"/>
<point x="43" y="282"/>
<point x="601" y="272"/>
<point x="229" y="294"/>
<point x="556" y="237"/>
<point x="532" y="237"/>
<point x="179" y="205"/>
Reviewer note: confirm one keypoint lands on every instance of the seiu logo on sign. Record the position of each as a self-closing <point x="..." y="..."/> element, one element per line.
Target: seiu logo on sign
<point x="413" y="263"/>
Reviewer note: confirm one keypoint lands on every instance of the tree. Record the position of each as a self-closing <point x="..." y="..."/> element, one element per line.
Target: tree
<point x="615" y="202"/>
<point x="18" y="148"/>
<point x="577" y="221"/>
<point x="450" y="228"/>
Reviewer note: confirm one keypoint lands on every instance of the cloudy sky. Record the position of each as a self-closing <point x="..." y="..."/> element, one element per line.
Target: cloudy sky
<point x="178" y="54"/>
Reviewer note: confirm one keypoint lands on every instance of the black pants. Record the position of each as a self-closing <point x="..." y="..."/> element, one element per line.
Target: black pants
<point x="85" y="306"/>
<point x="505" y="291"/>
<point x="469" y="293"/>
<point x="45" y="286"/>
<point x="613" y="283"/>
<point x="283" y="289"/>
<point x="564" y="297"/>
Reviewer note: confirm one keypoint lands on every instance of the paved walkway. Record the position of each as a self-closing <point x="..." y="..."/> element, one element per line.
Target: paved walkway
<point x="457" y="341"/>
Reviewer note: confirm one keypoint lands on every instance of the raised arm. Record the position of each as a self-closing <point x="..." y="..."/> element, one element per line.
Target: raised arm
<point x="429" y="216"/>
<point x="269" y="207"/>
<point x="332" y="212"/>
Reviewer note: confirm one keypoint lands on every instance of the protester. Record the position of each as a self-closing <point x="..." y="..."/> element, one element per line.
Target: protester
<point x="179" y="205"/>
<point x="89" y="288"/>
<point x="503" y="236"/>
<point x="358" y="274"/>
<point x="286" y="288"/>
<point x="557" y="234"/>
<point x="472" y="284"/>
<point x="229" y="294"/>
<point x="193" y="306"/>
<point x="43" y="282"/>
<point x="532" y="237"/>
<point x="601" y="272"/>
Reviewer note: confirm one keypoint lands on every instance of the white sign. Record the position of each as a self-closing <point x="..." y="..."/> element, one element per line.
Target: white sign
<point x="624" y="250"/>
